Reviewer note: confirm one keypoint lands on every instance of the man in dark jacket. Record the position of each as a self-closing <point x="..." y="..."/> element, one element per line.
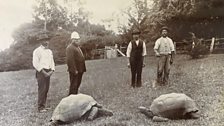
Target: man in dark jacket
<point x="75" y="62"/>
<point x="135" y="52"/>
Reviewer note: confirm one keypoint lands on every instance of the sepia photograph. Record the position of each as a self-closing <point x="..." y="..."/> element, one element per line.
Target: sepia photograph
<point x="111" y="62"/>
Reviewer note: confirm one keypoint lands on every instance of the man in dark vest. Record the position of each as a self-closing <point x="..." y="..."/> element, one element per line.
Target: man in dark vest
<point x="135" y="52"/>
<point x="75" y="62"/>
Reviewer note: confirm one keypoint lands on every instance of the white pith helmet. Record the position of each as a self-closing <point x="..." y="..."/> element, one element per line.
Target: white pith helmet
<point x="75" y="35"/>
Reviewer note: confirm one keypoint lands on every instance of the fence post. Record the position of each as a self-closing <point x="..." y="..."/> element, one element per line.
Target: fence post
<point x="175" y="47"/>
<point x="212" y="44"/>
<point x="120" y="52"/>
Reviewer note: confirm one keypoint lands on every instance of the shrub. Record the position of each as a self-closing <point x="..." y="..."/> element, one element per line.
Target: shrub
<point x="199" y="51"/>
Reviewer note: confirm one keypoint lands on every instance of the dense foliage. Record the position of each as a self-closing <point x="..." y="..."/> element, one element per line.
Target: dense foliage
<point x="204" y="18"/>
<point x="55" y="21"/>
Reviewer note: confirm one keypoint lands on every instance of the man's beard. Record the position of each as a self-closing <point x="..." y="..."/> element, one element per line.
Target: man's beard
<point x="164" y="35"/>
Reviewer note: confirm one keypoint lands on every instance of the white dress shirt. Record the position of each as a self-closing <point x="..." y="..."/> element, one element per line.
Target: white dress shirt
<point x="43" y="59"/>
<point x="128" y="53"/>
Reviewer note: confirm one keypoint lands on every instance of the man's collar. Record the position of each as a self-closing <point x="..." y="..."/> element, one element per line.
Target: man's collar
<point x="74" y="44"/>
<point x="41" y="46"/>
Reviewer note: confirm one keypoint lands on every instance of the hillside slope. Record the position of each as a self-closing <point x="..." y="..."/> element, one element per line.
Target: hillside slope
<point x="108" y="81"/>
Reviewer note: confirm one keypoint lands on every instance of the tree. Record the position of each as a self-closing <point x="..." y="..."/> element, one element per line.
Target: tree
<point x="57" y="22"/>
<point x="137" y="16"/>
<point x="50" y="15"/>
<point x="204" y="18"/>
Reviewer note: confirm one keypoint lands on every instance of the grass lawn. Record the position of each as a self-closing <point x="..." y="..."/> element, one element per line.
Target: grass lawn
<point x="108" y="81"/>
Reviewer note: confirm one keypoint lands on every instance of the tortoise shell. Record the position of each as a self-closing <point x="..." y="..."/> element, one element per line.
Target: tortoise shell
<point x="73" y="107"/>
<point x="173" y="105"/>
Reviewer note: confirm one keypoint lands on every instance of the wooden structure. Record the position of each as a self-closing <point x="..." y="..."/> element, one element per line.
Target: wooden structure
<point x="218" y="45"/>
<point x="214" y="45"/>
<point x="109" y="52"/>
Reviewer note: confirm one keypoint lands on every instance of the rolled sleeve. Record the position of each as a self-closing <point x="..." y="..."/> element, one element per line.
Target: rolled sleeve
<point x="53" y="65"/>
<point x="144" y="53"/>
<point x="52" y="62"/>
<point x="157" y="43"/>
<point x="128" y="53"/>
<point x="172" y="48"/>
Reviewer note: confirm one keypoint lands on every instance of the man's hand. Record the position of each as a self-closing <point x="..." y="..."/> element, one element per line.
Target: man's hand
<point x="50" y="73"/>
<point x="45" y="73"/>
<point x="129" y="66"/>
<point x="143" y="65"/>
<point x="157" y="55"/>
<point x="76" y="72"/>
<point x="171" y="61"/>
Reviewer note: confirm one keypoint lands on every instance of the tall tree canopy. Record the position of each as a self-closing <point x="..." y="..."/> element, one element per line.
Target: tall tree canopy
<point x="56" y="21"/>
<point x="203" y="17"/>
<point x="137" y="16"/>
<point x="50" y="15"/>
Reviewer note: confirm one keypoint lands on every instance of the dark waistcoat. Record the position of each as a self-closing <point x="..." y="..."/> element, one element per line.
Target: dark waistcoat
<point x="137" y="50"/>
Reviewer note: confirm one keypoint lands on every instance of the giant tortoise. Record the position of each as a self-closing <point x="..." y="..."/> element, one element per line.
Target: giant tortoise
<point x="75" y="107"/>
<point x="171" y="106"/>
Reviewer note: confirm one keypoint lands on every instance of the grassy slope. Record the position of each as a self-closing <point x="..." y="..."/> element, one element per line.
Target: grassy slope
<point x="108" y="82"/>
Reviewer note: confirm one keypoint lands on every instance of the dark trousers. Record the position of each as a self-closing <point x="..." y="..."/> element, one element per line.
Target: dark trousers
<point x="136" y="72"/>
<point x="43" y="87"/>
<point x="75" y="81"/>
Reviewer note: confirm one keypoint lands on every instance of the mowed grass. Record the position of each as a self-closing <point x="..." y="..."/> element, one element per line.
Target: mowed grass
<point x="108" y="81"/>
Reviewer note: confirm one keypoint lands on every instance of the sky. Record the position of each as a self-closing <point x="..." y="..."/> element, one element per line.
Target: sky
<point x="16" y="12"/>
<point x="12" y="13"/>
<point x="106" y="9"/>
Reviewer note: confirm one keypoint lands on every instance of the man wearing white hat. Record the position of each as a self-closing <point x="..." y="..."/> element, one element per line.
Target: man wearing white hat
<point x="75" y="62"/>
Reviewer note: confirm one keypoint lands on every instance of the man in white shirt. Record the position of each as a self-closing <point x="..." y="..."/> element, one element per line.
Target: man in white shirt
<point x="135" y="52"/>
<point x="164" y="50"/>
<point x="44" y="64"/>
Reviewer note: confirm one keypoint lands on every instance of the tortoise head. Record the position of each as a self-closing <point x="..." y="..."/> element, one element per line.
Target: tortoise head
<point x="146" y="111"/>
<point x="99" y="105"/>
<point x="193" y="114"/>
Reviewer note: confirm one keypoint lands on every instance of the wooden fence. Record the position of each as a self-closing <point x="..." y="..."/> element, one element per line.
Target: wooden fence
<point x="109" y="52"/>
<point x="214" y="45"/>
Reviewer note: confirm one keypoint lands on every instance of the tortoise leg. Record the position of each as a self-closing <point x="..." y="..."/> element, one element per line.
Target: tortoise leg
<point x="53" y="123"/>
<point x="145" y="111"/>
<point x="159" y="119"/>
<point x="193" y="115"/>
<point x="93" y="113"/>
<point x="104" y="112"/>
